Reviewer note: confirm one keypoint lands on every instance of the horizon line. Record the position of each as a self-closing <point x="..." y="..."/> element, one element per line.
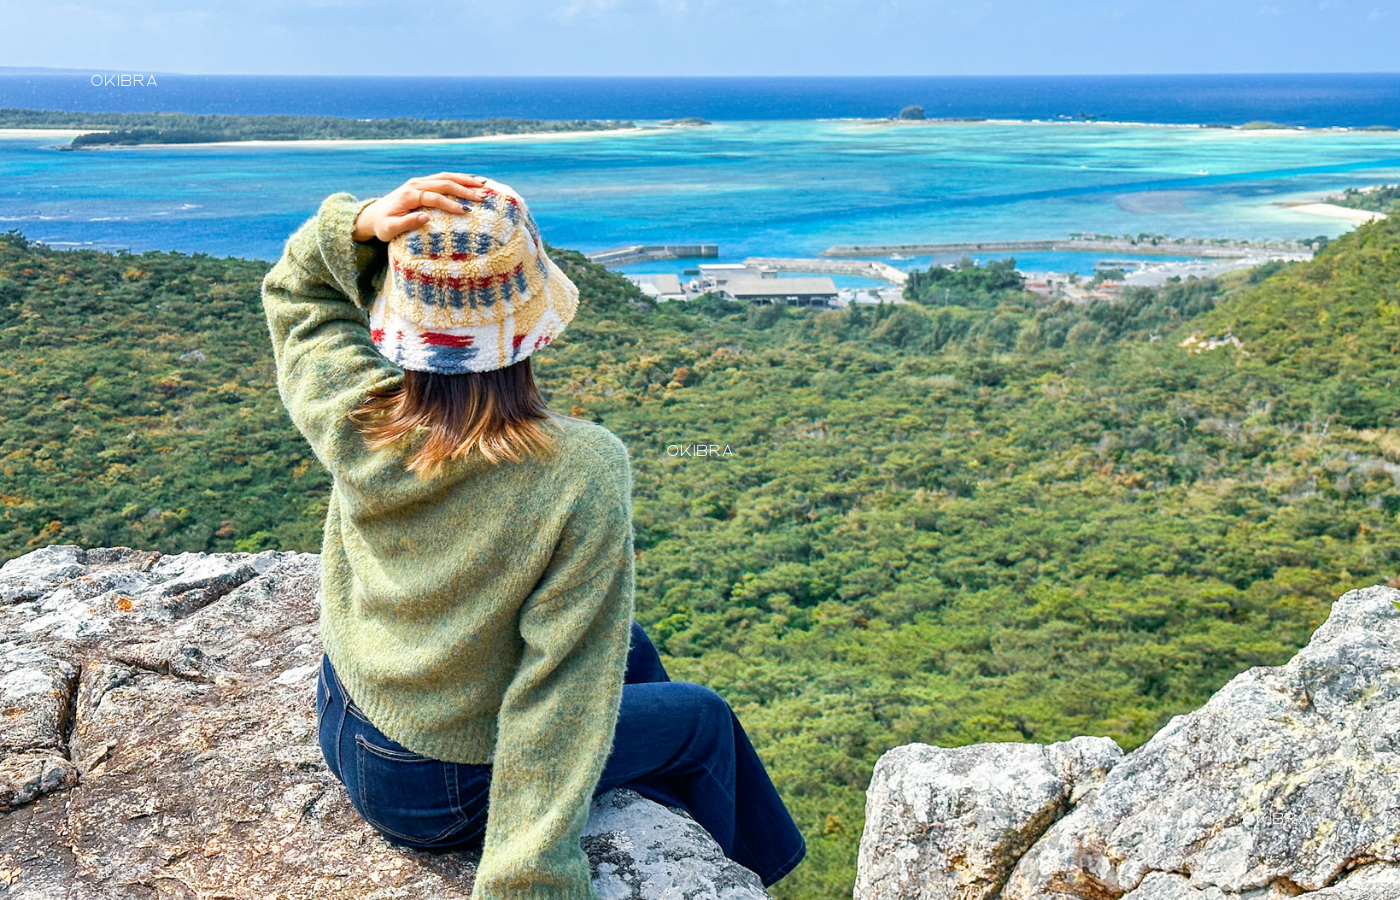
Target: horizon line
<point x="68" y="70"/>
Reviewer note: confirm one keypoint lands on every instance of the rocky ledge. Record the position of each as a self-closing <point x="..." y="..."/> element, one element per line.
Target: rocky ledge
<point x="157" y="718"/>
<point x="1285" y="784"/>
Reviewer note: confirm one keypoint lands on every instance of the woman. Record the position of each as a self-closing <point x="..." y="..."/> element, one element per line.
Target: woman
<point x="483" y="679"/>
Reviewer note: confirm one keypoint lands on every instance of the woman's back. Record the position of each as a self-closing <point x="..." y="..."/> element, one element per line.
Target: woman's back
<point x="422" y="590"/>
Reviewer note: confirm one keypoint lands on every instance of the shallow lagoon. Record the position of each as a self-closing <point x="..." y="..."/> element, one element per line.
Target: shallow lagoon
<point x="777" y="188"/>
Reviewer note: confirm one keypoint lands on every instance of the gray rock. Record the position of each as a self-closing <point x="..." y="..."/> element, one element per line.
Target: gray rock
<point x="158" y="741"/>
<point x="36" y="689"/>
<point x="949" y="824"/>
<point x="1372" y="882"/>
<point x="1285" y="780"/>
<point x="24" y="776"/>
<point x="1286" y="783"/>
<point x="632" y="843"/>
<point x="30" y="576"/>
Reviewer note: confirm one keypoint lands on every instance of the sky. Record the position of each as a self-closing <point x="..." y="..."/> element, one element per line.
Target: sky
<point x="704" y="37"/>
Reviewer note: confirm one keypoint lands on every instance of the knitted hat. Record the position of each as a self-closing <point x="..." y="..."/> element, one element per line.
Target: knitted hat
<point x="471" y="292"/>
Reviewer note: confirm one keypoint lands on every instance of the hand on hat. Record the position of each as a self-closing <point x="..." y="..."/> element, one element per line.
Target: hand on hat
<point x="400" y="209"/>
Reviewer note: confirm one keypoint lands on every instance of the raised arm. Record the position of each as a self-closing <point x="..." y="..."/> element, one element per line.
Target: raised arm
<point x="555" y="727"/>
<point x="317" y="297"/>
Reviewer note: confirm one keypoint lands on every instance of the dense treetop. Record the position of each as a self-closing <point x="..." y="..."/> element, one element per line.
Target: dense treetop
<point x="976" y="517"/>
<point x="188" y="128"/>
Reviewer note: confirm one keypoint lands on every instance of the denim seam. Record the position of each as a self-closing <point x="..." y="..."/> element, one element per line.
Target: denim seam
<point x="454" y="794"/>
<point x="475" y="797"/>
<point x="340" y="736"/>
<point x="733" y="802"/>
<point x="350" y="706"/>
<point x="788" y="866"/>
<point x="322" y="710"/>
<point x="390" y="754"/>
<point x="449" y="777"/>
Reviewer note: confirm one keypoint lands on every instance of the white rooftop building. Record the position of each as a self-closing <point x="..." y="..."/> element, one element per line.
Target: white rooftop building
<point x="758" y="289"/>
<point x="660" y="286"/>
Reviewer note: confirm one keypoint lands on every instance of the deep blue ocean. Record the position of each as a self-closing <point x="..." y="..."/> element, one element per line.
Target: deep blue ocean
<point x="787" y="168"/>
<point x="1312" y="100"/>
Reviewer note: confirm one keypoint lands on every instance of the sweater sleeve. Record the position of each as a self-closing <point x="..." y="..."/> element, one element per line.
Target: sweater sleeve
<point x="316" y="299"/>
<point x="557" y="717"/>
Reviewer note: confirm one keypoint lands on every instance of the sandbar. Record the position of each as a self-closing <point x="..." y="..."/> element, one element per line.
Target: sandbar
<point x="1333" y="211"/>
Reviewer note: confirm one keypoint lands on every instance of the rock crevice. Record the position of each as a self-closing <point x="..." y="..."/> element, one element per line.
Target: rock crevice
<point x="158" y="741"/>
<point x="1285" y="783"/>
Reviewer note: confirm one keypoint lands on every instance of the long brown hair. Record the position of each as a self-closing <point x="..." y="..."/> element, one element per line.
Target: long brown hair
<point x="499" y="414"/>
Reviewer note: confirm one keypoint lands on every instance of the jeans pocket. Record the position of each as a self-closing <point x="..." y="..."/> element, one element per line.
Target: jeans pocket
<point x="405" y="795"/>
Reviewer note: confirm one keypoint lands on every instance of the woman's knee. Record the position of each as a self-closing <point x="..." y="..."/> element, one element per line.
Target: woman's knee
<point x="702" y="702"/>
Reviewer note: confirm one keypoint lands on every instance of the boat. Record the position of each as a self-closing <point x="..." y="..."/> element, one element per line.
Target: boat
<point x="899" y="256"/>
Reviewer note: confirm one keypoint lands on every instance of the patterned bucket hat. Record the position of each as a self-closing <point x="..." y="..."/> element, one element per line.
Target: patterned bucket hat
<point x="471" y="292"/>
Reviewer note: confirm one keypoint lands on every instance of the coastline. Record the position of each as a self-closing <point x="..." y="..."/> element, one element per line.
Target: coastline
<point x="69" y="133"/>
<point x="355" y="142"/>
<point x="51" y="133"/>
<point x="1190" y="126"/>
<point x="1333" y="211"/>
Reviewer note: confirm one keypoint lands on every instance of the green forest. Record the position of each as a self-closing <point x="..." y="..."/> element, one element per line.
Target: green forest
<point x="1379" y="198"/>
<point x="978" y="516"/>
<point x="188" y="128"/>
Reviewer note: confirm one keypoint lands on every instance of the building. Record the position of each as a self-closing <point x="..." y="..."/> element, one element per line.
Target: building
<point x="659" y="286"/>
<point x="787" y="291"/>
<point x="715" y="274"/>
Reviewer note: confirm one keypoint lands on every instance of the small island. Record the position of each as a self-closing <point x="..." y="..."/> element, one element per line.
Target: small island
<point x="109" y="129"/>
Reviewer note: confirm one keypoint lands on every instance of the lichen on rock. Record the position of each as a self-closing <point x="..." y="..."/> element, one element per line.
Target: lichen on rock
<point x="158" y="741"/>
<point x="1286" y="783"/>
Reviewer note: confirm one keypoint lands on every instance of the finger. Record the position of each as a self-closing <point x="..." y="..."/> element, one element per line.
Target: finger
<point x="393" y="226"/>
<point x="440" y="201"/>
<point x="452" y="188"/>
<point x="406" y="200"/>
<point x="459" y="177"/>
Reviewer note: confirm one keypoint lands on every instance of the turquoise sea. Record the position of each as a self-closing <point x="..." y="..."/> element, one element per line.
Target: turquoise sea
<point x="771" y="188"/>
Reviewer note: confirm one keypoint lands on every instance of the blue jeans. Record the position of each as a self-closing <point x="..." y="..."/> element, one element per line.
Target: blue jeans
<point x="676" y="743"/>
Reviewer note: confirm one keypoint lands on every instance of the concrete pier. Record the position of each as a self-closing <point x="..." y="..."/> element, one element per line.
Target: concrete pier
<point x="1221" y="250"/>
<point x="622" y="256"/>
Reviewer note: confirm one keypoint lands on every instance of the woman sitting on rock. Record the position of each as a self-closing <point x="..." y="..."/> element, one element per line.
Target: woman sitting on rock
<point x="477" y="564"/>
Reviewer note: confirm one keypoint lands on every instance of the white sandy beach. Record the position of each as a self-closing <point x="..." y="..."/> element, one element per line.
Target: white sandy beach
<point x="1333" y="211"/>
<point x="68" y="133"/>
<point x="353" y="142"/>
<point x="335" y="142"/>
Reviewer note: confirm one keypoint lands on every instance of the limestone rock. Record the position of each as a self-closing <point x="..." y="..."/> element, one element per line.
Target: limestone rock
<point x="159" y="742"/>
<point x="1282" y="782"/>
<point x="1286" y="783"/>
<point x="30" y="576"/>
<point x="632" y="843"/>
<point x="949" y="824"/>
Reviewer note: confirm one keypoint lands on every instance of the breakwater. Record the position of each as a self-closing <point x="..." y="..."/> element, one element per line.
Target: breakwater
<point x="1221" y="249"/>
<point x="622" y="256"/>
<point x="883" y="271"/>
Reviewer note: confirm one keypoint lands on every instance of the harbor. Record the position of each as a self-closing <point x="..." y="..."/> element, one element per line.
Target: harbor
<point x="1213" y="249"/>
<point x="757" y="281"/>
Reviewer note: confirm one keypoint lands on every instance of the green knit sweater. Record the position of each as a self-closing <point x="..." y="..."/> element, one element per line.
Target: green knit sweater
<point x="482" y="616"/>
